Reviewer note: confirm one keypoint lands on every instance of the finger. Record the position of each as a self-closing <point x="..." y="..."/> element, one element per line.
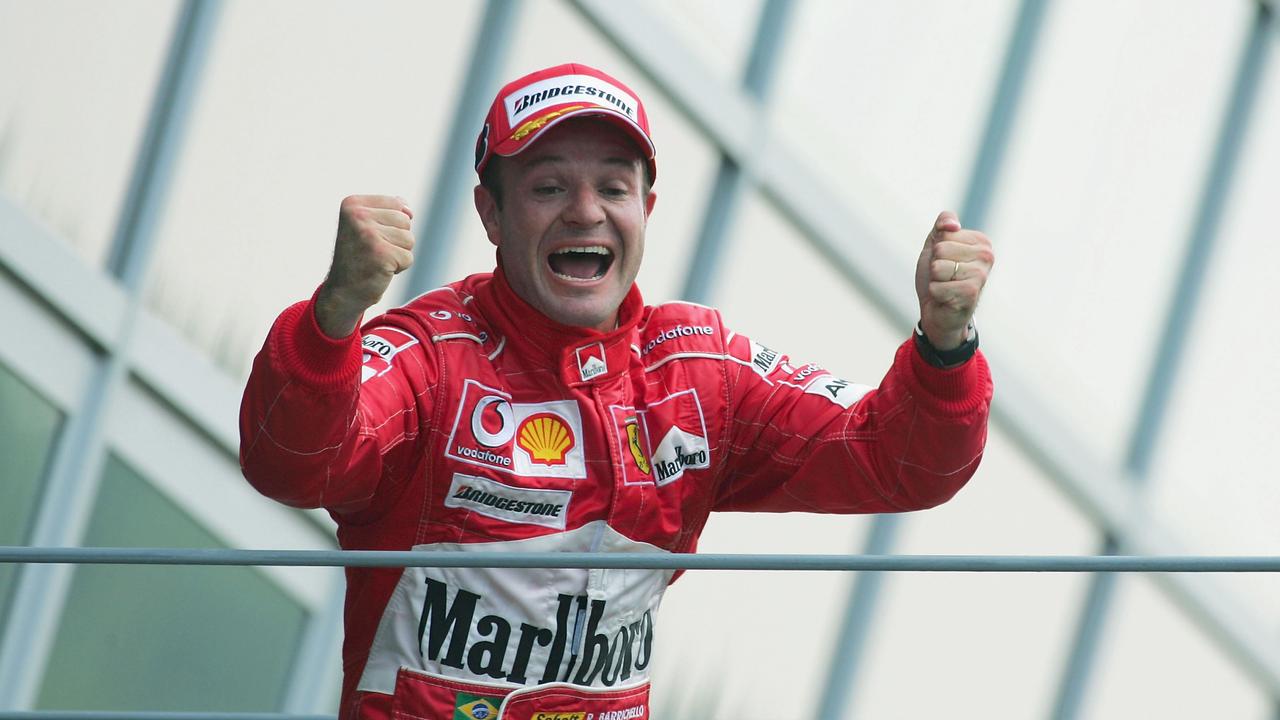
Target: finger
<point x="403" y="259"/>
<point x="386" y="202"/>
<point x="966" y="237"/>
<point x="390" y="218"/>
<point x="946" y="222"/>
<point x="962" y="251"/>
<point x="390" y="202"/>
<point x="946" y="270"/>
<point x="400" y="238"/>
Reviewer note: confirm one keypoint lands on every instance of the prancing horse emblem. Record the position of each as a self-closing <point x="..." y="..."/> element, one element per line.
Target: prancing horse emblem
<point x="633" y="441"/>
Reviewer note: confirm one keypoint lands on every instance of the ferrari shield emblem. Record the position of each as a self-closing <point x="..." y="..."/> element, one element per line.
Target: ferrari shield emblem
<point x="633" y="441"/>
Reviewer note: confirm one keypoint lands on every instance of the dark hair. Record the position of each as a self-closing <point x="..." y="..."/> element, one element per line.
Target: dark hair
<point x="491" y="179"/>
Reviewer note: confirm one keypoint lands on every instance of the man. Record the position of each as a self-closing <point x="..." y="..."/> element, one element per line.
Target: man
<point x="543" y="407"/>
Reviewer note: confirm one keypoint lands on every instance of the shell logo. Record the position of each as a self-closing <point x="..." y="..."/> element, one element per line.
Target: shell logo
<point x="546" y="438"/>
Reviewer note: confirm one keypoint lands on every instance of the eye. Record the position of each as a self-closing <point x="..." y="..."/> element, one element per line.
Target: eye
<point x="546" y="189"/>
<point x="614" y="191"/>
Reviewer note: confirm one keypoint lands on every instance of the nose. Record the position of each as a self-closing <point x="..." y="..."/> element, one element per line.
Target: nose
<point x="583" y="207"/>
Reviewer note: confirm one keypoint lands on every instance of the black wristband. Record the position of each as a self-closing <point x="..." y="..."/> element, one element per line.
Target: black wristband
<point x="947" y="358"/>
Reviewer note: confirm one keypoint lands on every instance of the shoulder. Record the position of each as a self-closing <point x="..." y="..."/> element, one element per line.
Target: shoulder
<point x="442" y="315"/>
<point x="681" y="329"/>
<point x="685" y="329"/>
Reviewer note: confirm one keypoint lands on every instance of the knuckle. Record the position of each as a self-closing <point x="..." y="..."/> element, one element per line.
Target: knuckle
<point x="350" y="204"/>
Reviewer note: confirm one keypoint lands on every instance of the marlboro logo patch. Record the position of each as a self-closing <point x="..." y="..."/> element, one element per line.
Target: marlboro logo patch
<point x="591" y="361"/>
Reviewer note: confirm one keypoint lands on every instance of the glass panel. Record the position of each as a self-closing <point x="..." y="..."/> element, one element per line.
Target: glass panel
<point x="1154" y="664"/>
<point x="167" y="637"/>
<point x="1022" y="623"/>
<point x="76" y="83"/>
<point x="293" y="116"/>
<point x="28" y="426"/>
<point x="720" y="32"/>
<point x="1216" y="460"/>
<point x="1091" y="218"/>
<point x="886" y="100"/>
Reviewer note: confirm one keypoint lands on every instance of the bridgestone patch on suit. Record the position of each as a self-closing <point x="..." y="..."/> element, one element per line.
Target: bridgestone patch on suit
<point x="549" y="508"/>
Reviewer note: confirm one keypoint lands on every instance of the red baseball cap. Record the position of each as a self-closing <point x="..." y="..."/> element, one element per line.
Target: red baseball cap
<point x="527" y="107"/>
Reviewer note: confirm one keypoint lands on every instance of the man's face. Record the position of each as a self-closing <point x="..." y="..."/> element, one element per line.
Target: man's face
<point x="570" y="231"/>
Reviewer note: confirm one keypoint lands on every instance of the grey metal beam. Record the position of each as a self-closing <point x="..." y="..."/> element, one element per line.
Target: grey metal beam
<point x="29" y="248"/>
<point x="71" y="483"/>
<point x="1006" y="99"/>
<point x="455" y="175"/>
<point x="836" y="231"/>
<point x="1019" y="54"/>
<point x="846" y="656"/>
<point x="726" y="192"/>
<point x="1172" y="345"/>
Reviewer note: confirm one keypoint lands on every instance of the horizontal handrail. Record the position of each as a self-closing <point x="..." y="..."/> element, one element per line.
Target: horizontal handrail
<point x="635" y="561"/>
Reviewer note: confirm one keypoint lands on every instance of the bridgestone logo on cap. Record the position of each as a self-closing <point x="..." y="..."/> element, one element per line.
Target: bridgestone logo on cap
<point x="530" y="99"/>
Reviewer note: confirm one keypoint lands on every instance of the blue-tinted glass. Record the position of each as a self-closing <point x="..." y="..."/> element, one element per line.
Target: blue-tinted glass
<point x="167" y="637"/>
<point x="28" y="425"/>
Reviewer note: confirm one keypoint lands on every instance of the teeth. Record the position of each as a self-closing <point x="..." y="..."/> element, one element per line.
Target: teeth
<point x="576" y="279"/>
<point x="593" y="249"/>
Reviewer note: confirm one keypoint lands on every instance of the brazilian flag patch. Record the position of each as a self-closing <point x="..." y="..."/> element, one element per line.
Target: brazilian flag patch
<point x="475" y="707"/>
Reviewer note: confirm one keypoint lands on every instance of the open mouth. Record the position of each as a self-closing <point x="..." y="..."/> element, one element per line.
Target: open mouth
<point x="581" y="263"/>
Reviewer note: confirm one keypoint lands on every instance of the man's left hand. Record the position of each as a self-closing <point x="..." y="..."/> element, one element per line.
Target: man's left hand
<point x="950" y="275"/>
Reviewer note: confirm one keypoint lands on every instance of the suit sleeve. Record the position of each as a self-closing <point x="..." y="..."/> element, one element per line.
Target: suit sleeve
<point x="801" y="438"/>
<point x="332" y="423"/>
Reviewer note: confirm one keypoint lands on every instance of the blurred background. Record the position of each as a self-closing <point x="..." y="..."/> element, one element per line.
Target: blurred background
<point x="170" y="173"/>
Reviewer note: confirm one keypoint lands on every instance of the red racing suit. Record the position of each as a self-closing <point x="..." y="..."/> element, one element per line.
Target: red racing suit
<point x="466" y="420"/>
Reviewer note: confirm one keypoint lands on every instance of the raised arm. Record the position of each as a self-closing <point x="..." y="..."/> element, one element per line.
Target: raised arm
<point x="804" y="439"/>
<point x="327" y="409"/>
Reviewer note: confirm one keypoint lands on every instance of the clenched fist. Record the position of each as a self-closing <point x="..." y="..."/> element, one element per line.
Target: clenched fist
<point x="374" y="244"/>
<point x="950" y="274"/>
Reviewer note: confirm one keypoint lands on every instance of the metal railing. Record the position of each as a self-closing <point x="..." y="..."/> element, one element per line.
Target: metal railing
<point x="630" y="561"/>
<point x="645" y="561"/>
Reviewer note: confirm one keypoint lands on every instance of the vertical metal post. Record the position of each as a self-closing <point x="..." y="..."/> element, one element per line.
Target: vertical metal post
<point x="455" y="175"/>
<point x="1173" y="340"/>
<point x="864" y="595"/>
<point x="982" y="180"/>
<point x="71" y="485"/>
<point x="726" y="193"/>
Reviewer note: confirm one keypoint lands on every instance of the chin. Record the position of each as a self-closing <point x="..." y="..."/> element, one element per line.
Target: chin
<point x="580" y="314"/>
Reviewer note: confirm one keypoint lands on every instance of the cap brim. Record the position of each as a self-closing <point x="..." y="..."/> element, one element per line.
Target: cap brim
<point x="511" y="147"/>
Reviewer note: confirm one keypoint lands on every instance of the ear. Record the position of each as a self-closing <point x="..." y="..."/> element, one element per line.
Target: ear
<point x="487" y="209"/>
<point x="649" y="202"/>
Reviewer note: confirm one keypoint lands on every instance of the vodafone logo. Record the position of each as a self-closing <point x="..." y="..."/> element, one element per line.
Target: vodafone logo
<point x="495" y="407"/>
<point x="530" y="439"/>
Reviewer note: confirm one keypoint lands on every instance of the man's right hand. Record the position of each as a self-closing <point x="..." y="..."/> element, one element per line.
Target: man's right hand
<point x="374" y="244"/>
